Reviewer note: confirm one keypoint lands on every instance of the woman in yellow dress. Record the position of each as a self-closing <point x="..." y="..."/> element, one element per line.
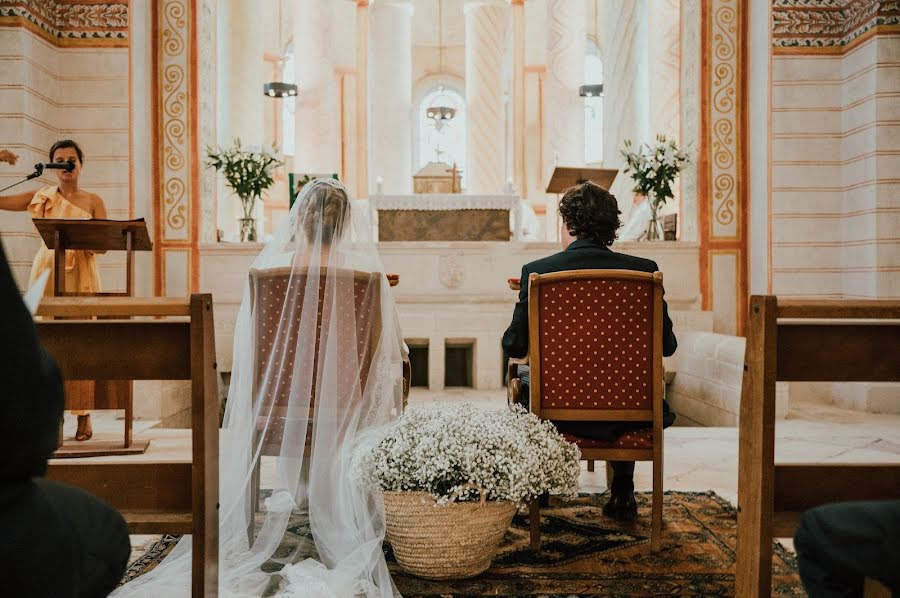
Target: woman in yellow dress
<point x="66" y="200"/>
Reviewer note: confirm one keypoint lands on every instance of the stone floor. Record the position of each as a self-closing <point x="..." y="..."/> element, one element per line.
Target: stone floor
<point x="696" y="459"/>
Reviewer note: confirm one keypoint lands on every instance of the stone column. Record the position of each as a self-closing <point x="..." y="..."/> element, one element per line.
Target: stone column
<point x="563" y="107"/>
<point x="391" y="96"/>
<point x="517" y="10"/>
<point x="362" y="98"/>
<point x="239" y="95"/>
<point x="622" y="92"/>
<point x="485" y="44"/>
<point x="318" y="140"/>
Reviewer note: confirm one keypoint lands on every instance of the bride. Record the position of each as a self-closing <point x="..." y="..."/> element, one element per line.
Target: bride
<point x="317" y="361"/>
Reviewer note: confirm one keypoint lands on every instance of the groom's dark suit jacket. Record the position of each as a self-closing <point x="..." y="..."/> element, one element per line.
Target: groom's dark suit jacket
<point x="580" y="255"/>
<point x="584" y="255"/>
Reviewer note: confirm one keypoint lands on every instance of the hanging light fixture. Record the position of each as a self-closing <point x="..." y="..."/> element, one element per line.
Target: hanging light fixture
<point x="277" y="89"/>
<point x="280" y="89"/>
<point x="440" y="113"/>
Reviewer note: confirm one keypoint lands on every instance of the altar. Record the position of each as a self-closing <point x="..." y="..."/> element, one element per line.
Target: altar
<point x="447" y="217"/>
<point x="453" y="298"/>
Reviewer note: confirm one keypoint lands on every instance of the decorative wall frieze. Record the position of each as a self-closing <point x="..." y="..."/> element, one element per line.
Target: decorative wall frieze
<point x="69" y="22"/>
<point x="829" y="24"/>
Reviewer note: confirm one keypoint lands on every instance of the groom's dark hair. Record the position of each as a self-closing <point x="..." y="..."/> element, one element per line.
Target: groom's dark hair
<point x="591" y="212"/>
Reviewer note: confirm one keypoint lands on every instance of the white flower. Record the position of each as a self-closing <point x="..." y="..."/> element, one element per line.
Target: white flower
<point x="463" y="453"/>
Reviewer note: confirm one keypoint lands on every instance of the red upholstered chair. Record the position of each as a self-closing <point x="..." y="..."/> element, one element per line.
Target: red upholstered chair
<point x="275" y="337"/>
<point x="595" y="354"/>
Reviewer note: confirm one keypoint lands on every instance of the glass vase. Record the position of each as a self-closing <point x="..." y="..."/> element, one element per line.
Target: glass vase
<point x="654" y="232"/>
<point x="248" y="230"/>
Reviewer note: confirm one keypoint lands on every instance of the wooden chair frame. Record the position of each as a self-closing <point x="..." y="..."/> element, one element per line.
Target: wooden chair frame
<point x="828" y="341"/>
<point x="153" y="497"/>
<point x="653" y="416"/>
<point x="393" y="280"/>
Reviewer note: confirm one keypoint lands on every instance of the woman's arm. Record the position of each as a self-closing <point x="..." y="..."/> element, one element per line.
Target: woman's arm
<point x="16" y="203"/>
<point x="98" y="211"/>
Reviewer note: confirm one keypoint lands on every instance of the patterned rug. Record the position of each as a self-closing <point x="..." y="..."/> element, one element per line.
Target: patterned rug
<point x="586" y="555"/>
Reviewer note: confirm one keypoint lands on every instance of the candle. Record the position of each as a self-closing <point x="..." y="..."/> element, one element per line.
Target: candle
<point x="379" y="184"/>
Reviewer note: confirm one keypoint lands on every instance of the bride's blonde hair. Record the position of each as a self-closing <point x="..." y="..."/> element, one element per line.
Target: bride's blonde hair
<point x="328" y="205"/>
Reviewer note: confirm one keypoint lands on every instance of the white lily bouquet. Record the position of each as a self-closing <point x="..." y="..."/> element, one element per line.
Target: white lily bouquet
<point x="461" y="453"/>
<point x="653" y="168"/>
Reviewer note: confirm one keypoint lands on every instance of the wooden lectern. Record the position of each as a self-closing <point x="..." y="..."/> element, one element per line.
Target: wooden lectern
<point x="565" y="177"/>
<point x="97" y="235"/>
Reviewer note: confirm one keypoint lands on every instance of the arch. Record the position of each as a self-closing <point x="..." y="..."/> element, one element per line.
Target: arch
<point x="451" y="139"/>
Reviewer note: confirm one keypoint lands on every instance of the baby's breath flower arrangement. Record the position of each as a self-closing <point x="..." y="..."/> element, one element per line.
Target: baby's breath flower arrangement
<point x="461" y="453"/>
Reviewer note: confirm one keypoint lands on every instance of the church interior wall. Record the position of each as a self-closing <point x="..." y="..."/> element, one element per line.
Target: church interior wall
<point x="835" y="199"/>
<point x="56" y="91"/>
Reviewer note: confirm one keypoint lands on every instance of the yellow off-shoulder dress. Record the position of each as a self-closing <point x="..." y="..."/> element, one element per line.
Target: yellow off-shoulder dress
<point x="81" y="276"/>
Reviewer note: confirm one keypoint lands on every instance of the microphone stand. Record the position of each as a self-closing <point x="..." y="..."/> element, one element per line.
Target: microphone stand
<point x="38" y="171"/>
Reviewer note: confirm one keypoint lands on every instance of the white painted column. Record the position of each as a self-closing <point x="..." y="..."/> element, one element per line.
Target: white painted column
<point x="390" y="96"/>
<point x="486" y="26"/>
<point x="517" y="12"/>
<point x="239" y="96"/>
<point x="623" y="90"/>
<point x="362" y="98"/>
<point x="317" y="137"/>
<point x="563" y="107"/>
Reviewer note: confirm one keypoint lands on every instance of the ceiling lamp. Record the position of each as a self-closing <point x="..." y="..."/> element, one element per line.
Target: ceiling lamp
<point x="277" y="89"/>
<point x="590" y="91"/>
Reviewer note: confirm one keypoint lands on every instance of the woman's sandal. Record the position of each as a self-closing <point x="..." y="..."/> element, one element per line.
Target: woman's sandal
<point x="85" y="429"/>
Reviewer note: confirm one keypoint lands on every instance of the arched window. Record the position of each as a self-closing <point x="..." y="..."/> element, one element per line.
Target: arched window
<point x="288" y="104"/>
<point x="593" y="106"/>
<point x="445" y="143"/>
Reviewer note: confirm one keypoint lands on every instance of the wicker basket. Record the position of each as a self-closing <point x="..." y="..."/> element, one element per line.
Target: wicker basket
<point x="451" y="541"/>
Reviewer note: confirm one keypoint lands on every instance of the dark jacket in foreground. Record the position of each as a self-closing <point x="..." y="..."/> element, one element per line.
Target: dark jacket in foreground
<point x="55" y="540"/>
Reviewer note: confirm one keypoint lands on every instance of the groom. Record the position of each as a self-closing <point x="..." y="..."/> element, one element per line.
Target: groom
<point x="590" y="217"/>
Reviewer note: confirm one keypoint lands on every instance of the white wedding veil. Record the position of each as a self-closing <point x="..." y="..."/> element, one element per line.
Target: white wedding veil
<point x="317" y="367"/>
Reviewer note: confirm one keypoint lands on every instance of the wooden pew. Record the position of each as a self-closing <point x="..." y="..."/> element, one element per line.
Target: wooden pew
<point x="178" y="497"/>
<point x="828" y="341"/>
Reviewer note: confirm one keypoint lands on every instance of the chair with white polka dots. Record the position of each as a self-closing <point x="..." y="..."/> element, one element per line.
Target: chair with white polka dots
<point x="595" y="354"/>
<point x="277" y="308"/>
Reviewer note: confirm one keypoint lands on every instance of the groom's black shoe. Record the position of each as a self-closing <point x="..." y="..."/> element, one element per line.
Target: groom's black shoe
<point x="621" y="506"/>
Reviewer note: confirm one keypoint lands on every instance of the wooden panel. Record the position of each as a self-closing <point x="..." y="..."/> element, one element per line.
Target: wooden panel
<point x="881" y="308"/>
<point x="118" y="307"/>
<point x="205" y="448"/>
<point x="839" y="352"/>
<point x="158" y="522"/>
<point x="606" y="454"/>
<point x="621" y="415"/>
<point x="118" y="350"/>
<point x="130" y="485"/>
<point x="799" y="487"/>
<point x="756" y="453"/>
<point x="443" y="225"/>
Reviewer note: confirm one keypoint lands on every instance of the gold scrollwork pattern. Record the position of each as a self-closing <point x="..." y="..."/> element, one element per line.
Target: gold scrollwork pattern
<point x="173" y="125"/>
<point x="724" y="114"/>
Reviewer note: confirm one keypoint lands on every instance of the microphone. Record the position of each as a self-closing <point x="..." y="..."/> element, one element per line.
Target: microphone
<point x="67" y="166"/>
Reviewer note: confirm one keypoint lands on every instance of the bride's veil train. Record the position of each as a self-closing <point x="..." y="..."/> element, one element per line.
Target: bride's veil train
<point x="316" y="369"/>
